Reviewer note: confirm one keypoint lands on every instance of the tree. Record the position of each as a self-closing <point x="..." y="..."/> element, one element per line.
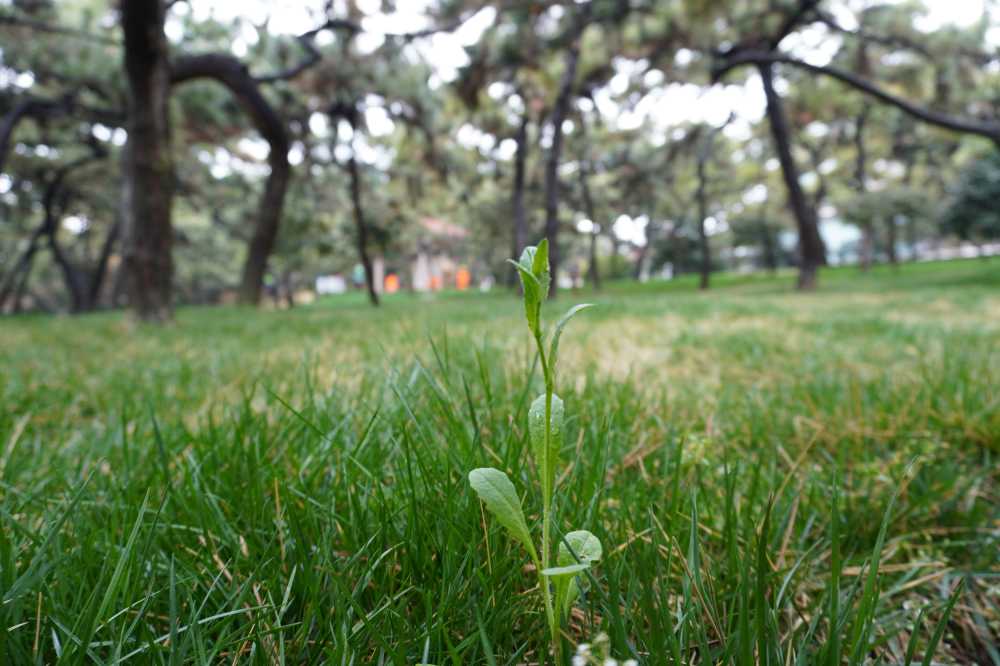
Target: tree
<point x="972" y="213"/>
<point x="149" y="176"/>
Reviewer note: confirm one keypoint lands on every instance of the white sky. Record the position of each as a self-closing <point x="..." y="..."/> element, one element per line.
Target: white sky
<point x="663" y="109"/>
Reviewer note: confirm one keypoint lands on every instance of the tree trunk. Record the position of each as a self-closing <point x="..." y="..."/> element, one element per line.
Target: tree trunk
<point x="770" y="251"/>
<point x="101" y="270"/>
<point x="811" y="250"/>
<point x="890" y="240"/>
<point x="149" y="175"/>
<point x="705" y="265"/>
<point x="593" y="271"/>
<point x="520" y="236"/>
<point x="861" y="184"/>
<point x="361" y="228"/>
<point x="231" y="73"/>
<point x="559" y="112"/>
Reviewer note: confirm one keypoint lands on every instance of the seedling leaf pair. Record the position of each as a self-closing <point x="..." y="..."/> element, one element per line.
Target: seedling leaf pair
<point x="533" y="267"/>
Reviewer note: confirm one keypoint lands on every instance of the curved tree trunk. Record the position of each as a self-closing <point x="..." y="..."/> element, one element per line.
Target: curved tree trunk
<point x="231" y="73"/>
<point x="149" y="173"/>
<point x="811" y="250"/>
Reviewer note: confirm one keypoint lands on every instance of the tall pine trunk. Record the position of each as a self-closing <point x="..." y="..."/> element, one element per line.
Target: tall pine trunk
<point x="149" y="174"/>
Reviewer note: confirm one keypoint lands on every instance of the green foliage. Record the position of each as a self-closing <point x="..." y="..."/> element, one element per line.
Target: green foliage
<point x="972" y="212"/>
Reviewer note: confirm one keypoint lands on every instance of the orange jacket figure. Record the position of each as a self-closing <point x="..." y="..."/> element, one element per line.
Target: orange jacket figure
<point x="391" y="283"/>
<point x="462" y="278"/>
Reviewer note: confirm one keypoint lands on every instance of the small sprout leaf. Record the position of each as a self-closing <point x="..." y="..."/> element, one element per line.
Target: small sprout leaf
<point x="533" y="293"/>
<point x="498" y="494"/>
<point x="540" y="267"/>
<point x="579" y="546"/>
<point x="557" y="332"/>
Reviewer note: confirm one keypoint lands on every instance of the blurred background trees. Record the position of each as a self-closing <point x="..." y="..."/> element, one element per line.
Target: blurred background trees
<point x="162" y="153"/>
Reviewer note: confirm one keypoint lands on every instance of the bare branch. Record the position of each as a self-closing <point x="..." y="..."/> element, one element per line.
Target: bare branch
<point x="987" y="129"/>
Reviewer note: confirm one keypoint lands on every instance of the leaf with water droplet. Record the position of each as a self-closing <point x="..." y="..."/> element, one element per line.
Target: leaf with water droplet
<point x="546" y="458"/>
<point x="498" y="494"/>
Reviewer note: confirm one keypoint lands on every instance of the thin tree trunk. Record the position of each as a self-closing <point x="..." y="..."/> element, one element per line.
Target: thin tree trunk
<point x="101" y="270"/>
<point x="559" y="112"/>
<point x="362" y="228"/>
<point x="770" y="252"/>
<point x="861" y="185"/>
<point x="593" y="271"/>
<point x="701" y="196"/>
<point x="519" y="238"/>
<point x="811" y="249"/>
<point x="890" y="240"/>
<point x="149" y="175"/>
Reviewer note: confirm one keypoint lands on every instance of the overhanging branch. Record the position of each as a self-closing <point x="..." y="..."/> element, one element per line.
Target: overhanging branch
<point x="986" y="129"/>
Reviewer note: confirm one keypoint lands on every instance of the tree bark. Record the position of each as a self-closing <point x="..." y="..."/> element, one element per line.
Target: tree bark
<point x="559" y="112"/>
<point x="232" y="74"/>
<point x="593" y="271"/>
<point x="362" y="228"/>
<point x="701" y="196"/>
<point x="149" y="175"/>
<point x="861" y="185"/>
<point x="520" y="235"/>
<point x="811" y="249"/>
<point x="101" y="270"/>
<point x="890" y="240"/>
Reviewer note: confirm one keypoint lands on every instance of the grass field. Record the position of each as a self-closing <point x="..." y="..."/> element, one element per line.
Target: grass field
<point x="777" y="478"/>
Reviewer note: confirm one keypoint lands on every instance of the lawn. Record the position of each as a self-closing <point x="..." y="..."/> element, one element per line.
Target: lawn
<point x="291" y="486"/>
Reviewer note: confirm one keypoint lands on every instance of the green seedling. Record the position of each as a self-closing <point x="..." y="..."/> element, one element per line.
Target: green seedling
<point x="578" y="550"/>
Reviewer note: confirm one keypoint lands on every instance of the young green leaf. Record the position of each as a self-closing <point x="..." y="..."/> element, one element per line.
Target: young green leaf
<point x="557" y="332"/>
<point x="532" y="294"/>
<point x="579" y="546"/>
<point x="498" y="494"/>
<point x="540" y="267"/>
<point x="547" y="460"/>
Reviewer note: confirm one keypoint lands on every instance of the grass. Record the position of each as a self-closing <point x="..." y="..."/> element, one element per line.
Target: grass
<point x="777" y="478"/>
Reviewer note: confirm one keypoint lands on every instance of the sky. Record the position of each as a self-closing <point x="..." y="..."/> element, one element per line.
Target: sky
<point x="661" y="111"/>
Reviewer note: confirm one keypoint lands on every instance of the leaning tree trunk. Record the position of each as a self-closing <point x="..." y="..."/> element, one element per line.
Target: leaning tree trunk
<point x="559" y="111"/>
<point x="811" y="250"/>
<point x="519" y="238"/>
<point x="231" y="73"/>
<point x="149" y="174"/>
<point x="362" y="229"/>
